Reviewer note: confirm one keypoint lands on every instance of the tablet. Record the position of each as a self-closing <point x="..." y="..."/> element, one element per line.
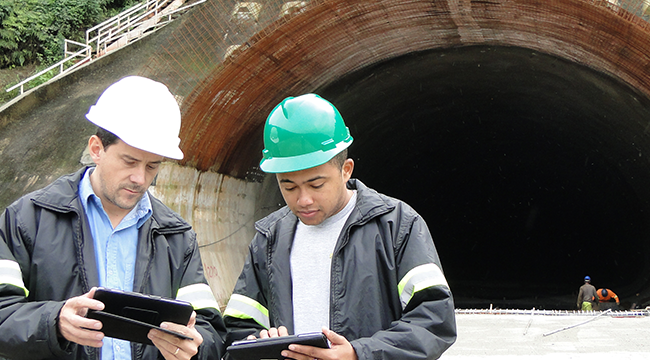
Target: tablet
<point x="130" y="316"/>
<point x="270" y="348"/>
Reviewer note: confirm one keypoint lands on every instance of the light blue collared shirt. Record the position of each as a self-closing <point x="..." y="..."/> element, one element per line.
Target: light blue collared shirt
<point x="115" y="251"/>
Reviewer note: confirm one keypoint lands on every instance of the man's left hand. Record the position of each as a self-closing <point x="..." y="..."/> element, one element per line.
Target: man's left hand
<point x="173" y="347"/>
<point x="340" y="349"/>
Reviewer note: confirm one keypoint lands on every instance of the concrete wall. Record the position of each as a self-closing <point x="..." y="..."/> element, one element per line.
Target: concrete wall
<point x="222" y="210"/>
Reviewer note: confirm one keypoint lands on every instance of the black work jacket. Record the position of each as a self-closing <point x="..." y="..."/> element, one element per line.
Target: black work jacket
<point x="382" y="240"/>
<point x="47" y="233"/>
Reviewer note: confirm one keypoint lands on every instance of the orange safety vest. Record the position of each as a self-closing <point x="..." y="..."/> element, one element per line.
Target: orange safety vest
<point x="610" y="295"/>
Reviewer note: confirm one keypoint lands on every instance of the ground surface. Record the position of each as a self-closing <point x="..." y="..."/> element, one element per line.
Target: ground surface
<point x="485" y="336"/>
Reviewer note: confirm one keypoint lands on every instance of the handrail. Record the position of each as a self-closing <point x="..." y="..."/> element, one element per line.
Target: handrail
<point x="86" y="49"/>
<point x="153" y="15"/>
<point x="112" y="30"/>
<point x="116" y="17"/>
<point x="169" y="14"/>
<point x="183" y="8"/>
<point x="115" y="26"/>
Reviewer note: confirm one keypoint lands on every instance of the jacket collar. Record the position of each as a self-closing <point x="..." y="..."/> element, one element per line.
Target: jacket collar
<point x="279" y="229"/>
<point x="63" y="196"/>
<point x="370" y="204"/>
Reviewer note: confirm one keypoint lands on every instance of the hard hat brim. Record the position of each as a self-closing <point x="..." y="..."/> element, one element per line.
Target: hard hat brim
<point x="301" y="162"/>
<point x="168" y="148"/>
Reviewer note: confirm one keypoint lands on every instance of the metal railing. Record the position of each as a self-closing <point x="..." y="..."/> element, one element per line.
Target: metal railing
<point x="70" y="57"/>
<point x="618" y="313"/>
<point x="111" y="30"/>
<point x="116" y="31"/>
<point x="132" y="23"/>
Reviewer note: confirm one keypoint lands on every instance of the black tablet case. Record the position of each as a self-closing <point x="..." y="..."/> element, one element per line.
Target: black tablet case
<point x="270" y="348"/>
<point x="130" y="316"/>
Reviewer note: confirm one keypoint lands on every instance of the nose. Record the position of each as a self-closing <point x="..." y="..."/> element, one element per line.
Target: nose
<point x="305" y="199"/>
<point x="138" y="176"/>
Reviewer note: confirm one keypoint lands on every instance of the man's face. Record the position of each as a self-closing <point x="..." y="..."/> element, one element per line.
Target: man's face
<point x="123" y="174"/>
<point x="315" y="194"/>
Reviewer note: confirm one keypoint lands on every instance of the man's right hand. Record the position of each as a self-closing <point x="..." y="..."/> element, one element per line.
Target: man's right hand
<point x="75" y="327"/>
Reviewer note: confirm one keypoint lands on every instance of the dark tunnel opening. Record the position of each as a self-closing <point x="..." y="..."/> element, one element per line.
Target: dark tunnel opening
<point x="530" y="170"/>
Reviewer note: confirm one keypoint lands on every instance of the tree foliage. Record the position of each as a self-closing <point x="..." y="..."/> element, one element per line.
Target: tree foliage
<point x="32" y="31"/>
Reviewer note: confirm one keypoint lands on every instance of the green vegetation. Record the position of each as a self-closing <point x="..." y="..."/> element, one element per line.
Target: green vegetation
<point x="32" y="31"/>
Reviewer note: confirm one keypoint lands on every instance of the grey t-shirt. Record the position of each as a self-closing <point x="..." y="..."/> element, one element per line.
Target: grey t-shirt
<point x="311" y="266"/>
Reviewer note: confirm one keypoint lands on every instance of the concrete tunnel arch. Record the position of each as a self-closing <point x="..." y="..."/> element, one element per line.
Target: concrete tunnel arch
<point x="518" y="129"/>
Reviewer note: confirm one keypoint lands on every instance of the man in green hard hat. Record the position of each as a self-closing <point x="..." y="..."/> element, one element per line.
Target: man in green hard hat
<point x="340" y="258"/>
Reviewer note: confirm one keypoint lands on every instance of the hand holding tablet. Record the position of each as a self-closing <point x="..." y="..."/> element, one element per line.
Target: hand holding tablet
<point x="130" y="316"/>
<point x="271" y="348"/>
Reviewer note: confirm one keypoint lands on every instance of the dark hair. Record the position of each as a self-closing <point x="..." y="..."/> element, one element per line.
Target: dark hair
<point x="339" y="159"/>
<point x="106" y="137"/>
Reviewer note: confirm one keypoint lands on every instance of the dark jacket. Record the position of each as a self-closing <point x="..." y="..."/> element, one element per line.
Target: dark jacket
<point x="384" y="315"/>
<point x="47" y="234"/>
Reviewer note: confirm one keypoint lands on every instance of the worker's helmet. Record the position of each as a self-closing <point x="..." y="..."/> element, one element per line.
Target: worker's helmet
<point x="604" y="292"/>
<point x="303" y="132"/>
<point x="587" y="278"/>
<point x="142" y="113"/>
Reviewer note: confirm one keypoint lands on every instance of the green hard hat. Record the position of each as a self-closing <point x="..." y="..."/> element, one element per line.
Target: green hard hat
<point x="302" y="132"/>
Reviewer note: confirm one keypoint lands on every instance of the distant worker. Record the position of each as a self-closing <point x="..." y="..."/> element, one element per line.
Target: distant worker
<point x="587" y="296"/>
<point x="606" y="299"/>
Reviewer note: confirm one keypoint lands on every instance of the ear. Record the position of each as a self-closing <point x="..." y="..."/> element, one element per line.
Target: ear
<point x="347" y="168"/>
<point x="95" y="148"/>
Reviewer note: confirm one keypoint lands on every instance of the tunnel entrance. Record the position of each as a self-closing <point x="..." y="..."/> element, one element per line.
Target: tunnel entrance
<point x="518" y="129"/>
<point x="531" y="171"/>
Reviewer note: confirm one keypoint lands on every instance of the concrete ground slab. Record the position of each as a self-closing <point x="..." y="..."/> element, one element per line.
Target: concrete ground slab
<point x="533" y="337"/>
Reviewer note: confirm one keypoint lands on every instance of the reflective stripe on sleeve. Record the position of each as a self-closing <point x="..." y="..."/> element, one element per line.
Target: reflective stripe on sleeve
<point x="419" y="278"/>
<point x="199" y="295"/>
<point x="243" y="307"/>
<point x="10" y="274"/>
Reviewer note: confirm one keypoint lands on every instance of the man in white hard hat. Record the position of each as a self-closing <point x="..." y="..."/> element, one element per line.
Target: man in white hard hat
<point x="100" y="227"/>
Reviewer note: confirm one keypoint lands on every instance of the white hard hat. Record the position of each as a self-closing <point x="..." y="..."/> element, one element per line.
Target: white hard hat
<point x="142" y="113"/>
